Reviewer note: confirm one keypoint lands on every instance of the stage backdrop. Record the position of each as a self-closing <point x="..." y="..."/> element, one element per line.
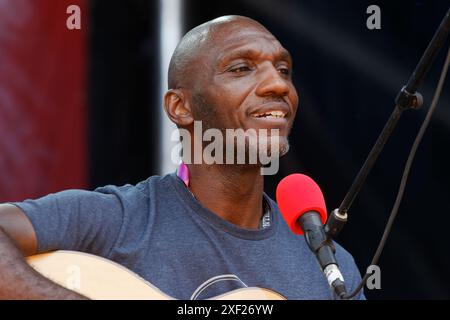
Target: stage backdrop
<point x="42" y="98"/>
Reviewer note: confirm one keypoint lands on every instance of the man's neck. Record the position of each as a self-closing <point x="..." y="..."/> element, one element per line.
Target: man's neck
<point x="234" y="193"/>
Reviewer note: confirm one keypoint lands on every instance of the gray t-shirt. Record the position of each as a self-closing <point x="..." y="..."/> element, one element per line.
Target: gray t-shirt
<point x="158" y="230"/>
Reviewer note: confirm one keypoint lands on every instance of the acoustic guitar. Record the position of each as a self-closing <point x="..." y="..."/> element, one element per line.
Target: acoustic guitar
<point x="101" y="279"/>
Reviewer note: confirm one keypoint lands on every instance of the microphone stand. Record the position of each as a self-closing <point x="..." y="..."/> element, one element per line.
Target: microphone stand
<point x="407" y="98"/>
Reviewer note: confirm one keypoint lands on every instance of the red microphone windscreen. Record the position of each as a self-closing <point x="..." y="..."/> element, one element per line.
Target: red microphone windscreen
<point x="297" y="194"/>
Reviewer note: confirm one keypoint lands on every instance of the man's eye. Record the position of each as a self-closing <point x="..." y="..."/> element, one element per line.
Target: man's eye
<point x="285" y="71"/>
<point x="240" y="69"/>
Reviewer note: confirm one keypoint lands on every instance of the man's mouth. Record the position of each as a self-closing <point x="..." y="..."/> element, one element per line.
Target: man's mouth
<point x="275" y="114"/>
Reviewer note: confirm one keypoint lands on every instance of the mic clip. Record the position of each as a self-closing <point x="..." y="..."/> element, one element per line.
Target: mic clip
<point x="406" y="100"/>
<point x="335" y="223"/>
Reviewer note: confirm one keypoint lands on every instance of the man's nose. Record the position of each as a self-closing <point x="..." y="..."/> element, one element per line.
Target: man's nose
<point x="273" y="83"/>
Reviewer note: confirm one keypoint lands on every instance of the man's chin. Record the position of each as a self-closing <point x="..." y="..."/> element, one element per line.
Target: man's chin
<point x="284" y="148"/>
<point x="281" y="150"/>
<point x="274" y="146"/>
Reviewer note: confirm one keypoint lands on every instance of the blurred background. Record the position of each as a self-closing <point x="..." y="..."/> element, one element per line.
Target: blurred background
<point x="82" y="109"/>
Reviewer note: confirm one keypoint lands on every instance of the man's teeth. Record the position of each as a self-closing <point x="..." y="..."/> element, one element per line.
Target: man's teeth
<point x="274" y="114"/>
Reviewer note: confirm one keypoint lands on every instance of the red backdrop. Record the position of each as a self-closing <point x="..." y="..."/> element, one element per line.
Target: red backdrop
<point x="42" y="99"/>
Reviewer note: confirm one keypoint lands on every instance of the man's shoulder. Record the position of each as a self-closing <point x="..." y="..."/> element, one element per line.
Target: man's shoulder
<point x="342" y="254"/>
<point x="143" y="188"/>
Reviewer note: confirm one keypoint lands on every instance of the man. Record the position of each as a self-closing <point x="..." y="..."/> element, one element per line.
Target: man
<point x="208" y="230"/>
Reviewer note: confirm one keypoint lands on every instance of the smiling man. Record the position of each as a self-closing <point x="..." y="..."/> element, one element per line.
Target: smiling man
<point x="207" y="229"/>
<point x="245" y="83"/>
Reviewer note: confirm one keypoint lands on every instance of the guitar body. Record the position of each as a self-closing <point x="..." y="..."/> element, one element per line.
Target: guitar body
<point x="101" y="279"/>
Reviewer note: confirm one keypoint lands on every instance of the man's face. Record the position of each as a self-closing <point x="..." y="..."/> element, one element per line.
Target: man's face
<point x="245" y="83"/>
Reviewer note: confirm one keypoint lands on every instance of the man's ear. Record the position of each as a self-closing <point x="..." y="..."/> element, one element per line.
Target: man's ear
<point x="178" y="108"/>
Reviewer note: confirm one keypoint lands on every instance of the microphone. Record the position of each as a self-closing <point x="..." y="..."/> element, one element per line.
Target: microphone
<point x="302" y="206"/>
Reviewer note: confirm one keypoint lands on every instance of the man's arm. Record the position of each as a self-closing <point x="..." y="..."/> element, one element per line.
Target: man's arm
<point x="17" y="279"/>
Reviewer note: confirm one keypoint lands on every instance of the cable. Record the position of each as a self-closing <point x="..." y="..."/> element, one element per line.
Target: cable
<point x="405" y="175"/>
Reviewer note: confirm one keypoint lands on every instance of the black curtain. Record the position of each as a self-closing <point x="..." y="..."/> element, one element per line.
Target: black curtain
<point x="123" y="91"/>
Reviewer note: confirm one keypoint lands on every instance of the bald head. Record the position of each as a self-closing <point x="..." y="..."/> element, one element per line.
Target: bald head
<point x="187" y="57"/>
